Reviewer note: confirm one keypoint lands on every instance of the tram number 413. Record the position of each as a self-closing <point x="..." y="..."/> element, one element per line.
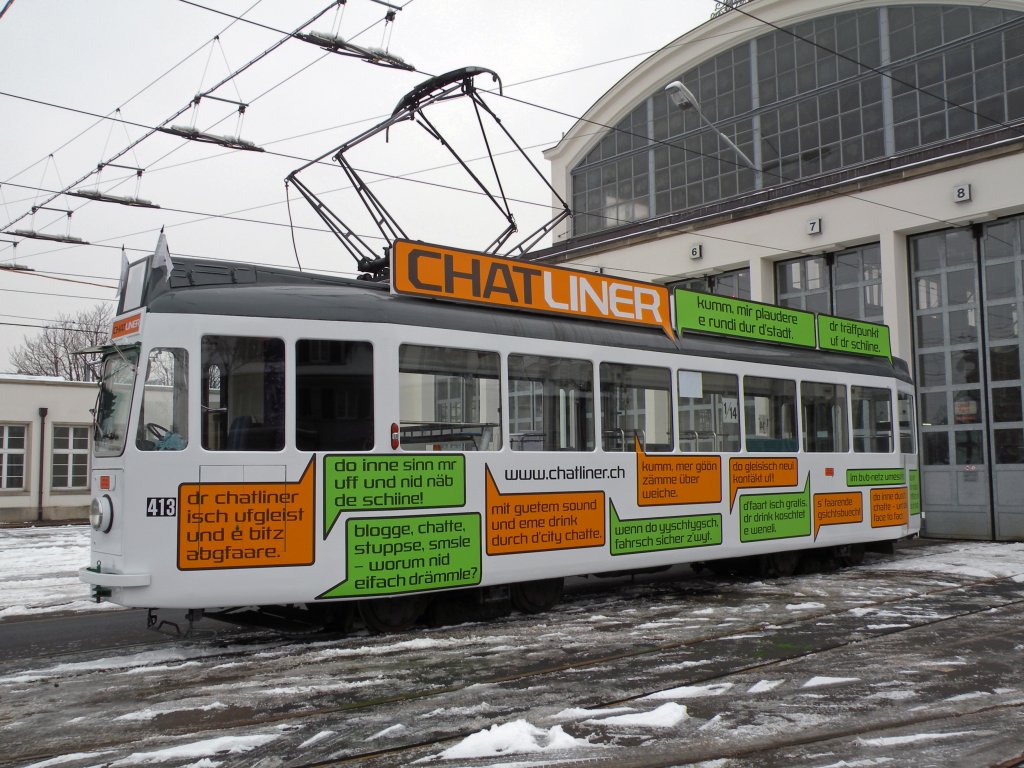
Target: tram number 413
<point x="161" y="506"/>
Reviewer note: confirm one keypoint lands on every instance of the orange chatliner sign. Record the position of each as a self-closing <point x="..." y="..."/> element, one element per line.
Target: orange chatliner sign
<point x="246" y="525"/>
<point x="126" y="326"/>
<point x="445" y="273"/>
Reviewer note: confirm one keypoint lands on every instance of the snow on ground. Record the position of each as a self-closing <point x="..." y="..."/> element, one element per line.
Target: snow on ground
<point x="39" y="571"/>
<point x="39" y="575"/>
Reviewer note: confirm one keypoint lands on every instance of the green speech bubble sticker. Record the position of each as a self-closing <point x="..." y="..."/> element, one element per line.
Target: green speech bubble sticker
<point x="392" y="555"/>
<point x="370" y="483"/>
<point x="655" y="534"/>
<point x="705" y="313"/>
<point x="767" y="516"/>
<point x="857" y="478"/>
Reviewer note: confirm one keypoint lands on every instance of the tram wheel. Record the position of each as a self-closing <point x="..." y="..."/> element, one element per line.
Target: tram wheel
<point x="536" y="596"/>
<point x="779" y="564"/>
<point x="850" y="554"/>
<point x="393" y="614"/>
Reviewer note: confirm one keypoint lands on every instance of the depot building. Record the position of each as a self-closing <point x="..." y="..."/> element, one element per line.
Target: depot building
<point x="858" y="159"/>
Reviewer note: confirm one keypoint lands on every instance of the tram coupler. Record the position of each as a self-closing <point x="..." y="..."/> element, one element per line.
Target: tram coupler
<point x="173" y="629"/>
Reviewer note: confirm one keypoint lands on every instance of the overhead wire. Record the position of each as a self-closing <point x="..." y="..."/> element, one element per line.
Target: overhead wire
<point x="604" y="128"/>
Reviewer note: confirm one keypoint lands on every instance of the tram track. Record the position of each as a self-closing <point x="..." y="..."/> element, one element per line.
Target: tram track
<point x="523" y="676"/>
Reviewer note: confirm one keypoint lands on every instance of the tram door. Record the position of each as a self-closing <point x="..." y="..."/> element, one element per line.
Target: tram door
<point x="968" y="302"/>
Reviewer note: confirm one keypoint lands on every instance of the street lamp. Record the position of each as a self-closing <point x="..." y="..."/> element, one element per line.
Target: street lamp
<point x="683" y="98"/>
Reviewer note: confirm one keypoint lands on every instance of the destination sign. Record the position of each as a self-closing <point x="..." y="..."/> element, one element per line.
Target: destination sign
<point x="465" y="276"/>
<point x="707" y="313"/>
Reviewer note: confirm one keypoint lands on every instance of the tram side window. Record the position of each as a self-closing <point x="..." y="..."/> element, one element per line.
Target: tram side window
<point x="824" y="417"/>
<point x="636" y="405"/>
<point x="243" y="397"/>
<point x="908" y="426"/>
<point x="872" y="419"/>
<point x="333" y="395"/>
<point x="550" y="404"/>
<point x="708" y="406"/>
<point x="769" y="414"/>
<point x="449" y="399"/>
<point x="163" y="420"/>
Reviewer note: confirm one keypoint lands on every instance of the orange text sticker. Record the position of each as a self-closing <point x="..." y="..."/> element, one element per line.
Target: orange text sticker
<point x="889" y="507"/>
<point x="246" y="525"/>
<point x="677" y="479"/>
<point x="537" y="522"/>
<point x="766" y="472"/>
<point x="837" y="509"/>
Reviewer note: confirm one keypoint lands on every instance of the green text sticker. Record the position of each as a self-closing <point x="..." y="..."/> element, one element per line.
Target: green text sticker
<point x="389" y="555"/>
<point x="654" y="534"/>
<point x="766" y="516"/>
<point x="705" y="313"/>
<point x="370" y="483"/>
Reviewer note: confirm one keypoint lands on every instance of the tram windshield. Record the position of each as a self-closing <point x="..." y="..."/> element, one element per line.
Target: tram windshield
<point x="114" y="401"/>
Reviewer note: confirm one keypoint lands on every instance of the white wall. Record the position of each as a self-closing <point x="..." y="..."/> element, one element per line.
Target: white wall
<point x="67" y="404"/>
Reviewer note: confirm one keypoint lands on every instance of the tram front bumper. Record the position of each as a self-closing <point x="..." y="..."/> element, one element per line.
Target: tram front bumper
<point x="103" y="582"/>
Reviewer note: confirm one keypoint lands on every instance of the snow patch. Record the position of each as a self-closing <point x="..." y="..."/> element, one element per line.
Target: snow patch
<point x="895" y="741"/>
<point x="818" y="682"/>
<point x="691" y="691"/>
<point x="230" y="745"/>
<point x="666" y="716"/>
<point x="518" y="737"/>
<point x="763" y="686"/>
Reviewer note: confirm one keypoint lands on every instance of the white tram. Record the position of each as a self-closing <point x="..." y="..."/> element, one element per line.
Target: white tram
<point x="271" y="438"/>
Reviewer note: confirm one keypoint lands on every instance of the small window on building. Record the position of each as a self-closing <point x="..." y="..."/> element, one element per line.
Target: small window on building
<point x="243" y="396"/>
<point x="709" y="405"/>
<point x="12" y="457"/>
<point x="333" y="395"/>
<point x="550" y="404"/>
<point x="635" y="406"/>
<point x="769" y="414"/>
<point x="70" y="469"/>
<point x="163" y="421"/>
<point x="449" y="399"/>
<point x="872" y="419"/>
<point x="824" y="418"/>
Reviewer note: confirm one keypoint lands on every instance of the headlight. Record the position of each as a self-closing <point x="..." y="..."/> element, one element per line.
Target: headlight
<point x="101" y="514"/>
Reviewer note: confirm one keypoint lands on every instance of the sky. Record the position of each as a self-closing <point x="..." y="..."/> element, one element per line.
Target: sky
<point x="66" y="69"/>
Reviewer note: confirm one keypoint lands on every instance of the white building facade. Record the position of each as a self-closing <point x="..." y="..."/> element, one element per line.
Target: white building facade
<point x="879" y="177"/>
<point x="45" y="442"/>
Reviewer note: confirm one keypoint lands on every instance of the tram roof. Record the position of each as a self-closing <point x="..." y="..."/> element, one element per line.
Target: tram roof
<point x="240" y="290"/>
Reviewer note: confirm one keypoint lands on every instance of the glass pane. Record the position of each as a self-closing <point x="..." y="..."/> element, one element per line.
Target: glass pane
<point x="1004" y="363"/>
<point x="333" y="395"/>
<point x="935" y="448"/>
<point x="1006" y="404"/>
<point x="450" y="399"/>
<point x="932" y="369"/>
<point x="243" y="393"/>
<point x="163" y="422"/>
<point x="967" y="406"/>
<point x="711" y="421"/>
<point x="1009" y="446"/>
<point x="551" y="404"/>
<point x="964" y="366"/>
<point x="907" y="421"/>
<point x="1002" y="321"/>
<point x="769" y="414"/>
<point x="871" y="408"/>
<point x="933" y="409"/>
<point x="969" y="447"/>
<point x="824" y="419"/>
<point x="635" y="406"/>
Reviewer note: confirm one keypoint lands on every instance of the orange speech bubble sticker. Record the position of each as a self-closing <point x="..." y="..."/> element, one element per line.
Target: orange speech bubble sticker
<point x="837" y="509"/>
<point x="768" y="472"/>
<point x="664" y="480"/>
<point x="539" y="522"/>
<point x="246" y="525"/>
<point x="889" y="507"/>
